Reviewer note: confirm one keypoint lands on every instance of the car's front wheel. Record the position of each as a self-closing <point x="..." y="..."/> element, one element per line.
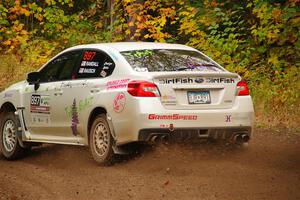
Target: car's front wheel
<point x="9" y="144"/>
<point x="101" y="141"/>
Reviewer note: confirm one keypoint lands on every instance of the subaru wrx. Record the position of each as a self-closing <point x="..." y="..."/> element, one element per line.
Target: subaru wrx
<point x="108" y="95"/>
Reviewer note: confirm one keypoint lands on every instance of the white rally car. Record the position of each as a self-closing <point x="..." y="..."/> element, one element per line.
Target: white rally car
<point x="111" y="94"/>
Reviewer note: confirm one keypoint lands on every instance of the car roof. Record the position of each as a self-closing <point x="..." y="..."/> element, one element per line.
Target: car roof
<point x="128" y="46"/>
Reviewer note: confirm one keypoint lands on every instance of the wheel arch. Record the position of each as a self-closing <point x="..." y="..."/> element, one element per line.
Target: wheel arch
<point x="93" y="114"/>
<point x="6" y="107"/>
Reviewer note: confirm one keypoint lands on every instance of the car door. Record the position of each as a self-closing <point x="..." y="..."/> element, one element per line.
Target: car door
<point x="42" y="106"/>
<point x="81" y="92"/>
<point x="66" y="76"/>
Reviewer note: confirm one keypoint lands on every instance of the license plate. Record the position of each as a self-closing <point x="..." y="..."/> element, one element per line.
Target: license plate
<point x="201" y="97"/>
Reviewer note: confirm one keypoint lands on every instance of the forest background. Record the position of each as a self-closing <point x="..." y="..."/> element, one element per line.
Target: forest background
<point x="258" y="39"/>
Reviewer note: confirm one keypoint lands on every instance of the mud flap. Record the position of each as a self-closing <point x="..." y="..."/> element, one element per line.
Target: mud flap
<point x="116" y="149"/>
<point x="20" y="126"/>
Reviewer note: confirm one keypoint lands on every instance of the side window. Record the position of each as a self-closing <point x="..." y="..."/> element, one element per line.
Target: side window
<point x="95" y="64"/>
<point x="60" y="68"/>
<point x="67" y="71"/>
<point x="49" y="73"/>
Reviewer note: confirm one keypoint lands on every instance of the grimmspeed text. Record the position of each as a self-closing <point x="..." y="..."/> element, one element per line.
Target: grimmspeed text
<point x="172" y="117"/>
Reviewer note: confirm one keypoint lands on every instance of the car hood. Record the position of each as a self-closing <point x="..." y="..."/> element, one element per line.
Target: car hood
<point x="15" y="86"/>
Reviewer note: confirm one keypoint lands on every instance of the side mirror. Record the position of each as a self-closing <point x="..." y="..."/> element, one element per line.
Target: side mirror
<point x="33" y="77"/>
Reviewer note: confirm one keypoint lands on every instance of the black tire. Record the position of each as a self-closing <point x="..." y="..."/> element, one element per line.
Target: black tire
<point x="101" y="141"/>
<point x="9" y="144"/>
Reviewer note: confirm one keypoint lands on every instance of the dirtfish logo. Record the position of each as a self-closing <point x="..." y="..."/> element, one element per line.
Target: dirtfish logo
<point x="220" y="80"/>
<point x="175" y="80"/>
<point x="198" y="80"/>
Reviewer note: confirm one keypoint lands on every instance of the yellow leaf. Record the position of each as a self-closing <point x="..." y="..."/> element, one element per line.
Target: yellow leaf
<point x="273" y="60"/>
<point x="7" y="42"/>
<point x="138" y="18"/>
<point x="131" y="23"/>
<point x="163" y="21"/>
<point x="127" y="32"/>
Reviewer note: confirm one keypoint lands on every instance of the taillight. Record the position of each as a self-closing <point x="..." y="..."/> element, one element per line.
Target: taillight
<point x="242" y="89"/>
<point x="142" y="89"/>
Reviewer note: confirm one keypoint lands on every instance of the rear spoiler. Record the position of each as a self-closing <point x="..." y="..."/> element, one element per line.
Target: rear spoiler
<point x="193" y="74"/>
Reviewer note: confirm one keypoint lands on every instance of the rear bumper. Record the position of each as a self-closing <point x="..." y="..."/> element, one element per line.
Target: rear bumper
<point x="184" y="134"/>
<point x="145" y="117"/>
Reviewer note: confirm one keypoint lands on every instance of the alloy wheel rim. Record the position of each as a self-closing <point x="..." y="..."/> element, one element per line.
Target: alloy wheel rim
<point x="9" y="135"/>
<point x="101" y="139"/>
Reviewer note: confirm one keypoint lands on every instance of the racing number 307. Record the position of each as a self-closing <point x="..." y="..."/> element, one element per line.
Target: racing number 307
<point x="35" y="100"/>
<point x="89" y="55"/>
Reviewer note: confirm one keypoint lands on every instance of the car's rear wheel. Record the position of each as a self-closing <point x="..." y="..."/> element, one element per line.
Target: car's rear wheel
<point x="101" y="141"/>
<point x="9" y="144"/>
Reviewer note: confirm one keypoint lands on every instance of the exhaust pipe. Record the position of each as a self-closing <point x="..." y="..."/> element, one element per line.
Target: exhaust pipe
<point x="165" y="139"/>
<point x="154" y="139"/>
<point x="241" y="138"/>
<point x="238" y="138"/>
<point x="245" y="138"/>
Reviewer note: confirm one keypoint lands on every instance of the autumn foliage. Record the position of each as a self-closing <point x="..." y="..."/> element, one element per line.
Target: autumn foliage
<point x="258" y="39"/>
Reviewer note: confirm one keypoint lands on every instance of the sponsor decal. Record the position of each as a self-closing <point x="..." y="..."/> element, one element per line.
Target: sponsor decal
<point x="103" y="73"/>
<point x="40" y="104"/>
<point x="81" y="70"/>
<point x="82" y="105"/>
<point x="176" y="80"/>
<point x="172" y="117"/>
<point x="168" y="99"/>
<point x="40" y="119"/>
<point x="220" y="80"/>
<point x="199" y="80"/>
<point x="117" y="84"/>
<point x="141" y="69"/>
<point x="195" y="80"/>
<point x="228" y="118"/>
<point x="107" y="64"/>
<point x="72" y="84"/>
<point x="89" y="55"/>
<point x="86" y="71"/>
<point x="89" y="64"/>
<point x="119" y="102"/>
<point x="170" y="126"/>
<point x="74" y="119"/>
<point x="8" y="95"/>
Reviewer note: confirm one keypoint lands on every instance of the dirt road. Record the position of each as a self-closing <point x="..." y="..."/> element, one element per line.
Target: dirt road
<point x="269" y="168"/>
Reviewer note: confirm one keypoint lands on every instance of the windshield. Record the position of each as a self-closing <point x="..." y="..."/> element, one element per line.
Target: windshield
<point x="156" y="60"/>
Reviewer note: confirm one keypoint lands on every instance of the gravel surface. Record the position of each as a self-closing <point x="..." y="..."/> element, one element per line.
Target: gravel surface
<point x="267" y="168"/>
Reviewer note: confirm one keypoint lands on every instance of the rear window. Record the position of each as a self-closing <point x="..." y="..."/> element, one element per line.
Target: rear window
<point x="155" y="60"/>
